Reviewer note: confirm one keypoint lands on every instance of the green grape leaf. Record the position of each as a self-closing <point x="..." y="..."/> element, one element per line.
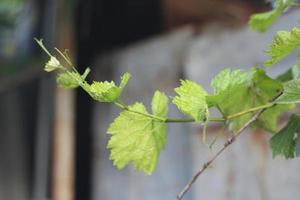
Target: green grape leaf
<point x="224" y="82"/>
<point x="52" y="64"/>
<point x="191" y="100"/>
<point x="107" y="91"/>
<point x="265" y="86"/>
<point x="291" y="92"/>
<point x="160" y="108"/>
<point x="253" y="89"/>
<point x="286" y="142"/>
<point x="283" y="44"/>
<point x="226" y="78"/>
<point x="262" y="21"/>
<point x="266" y="89"/>
<point x="268" y="120"/>
<point x="137" y="138"/>
<point x="68" y="80"/>
<point x="73" y="79"/>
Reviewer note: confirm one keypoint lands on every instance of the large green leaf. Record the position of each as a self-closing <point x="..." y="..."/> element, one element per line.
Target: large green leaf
<point x="253" y="89"/>
<point x="191" y="100"/>
<point x="266" y="89"/>
<point x="286" y="142"/>
<point x="268" y="120"/>
<point x="137" y="138"/>
<point x="262" y="21"/>
<point x="283" y="44"/>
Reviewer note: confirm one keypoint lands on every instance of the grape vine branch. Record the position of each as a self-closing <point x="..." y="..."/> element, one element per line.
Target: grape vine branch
<point x="243" y="99"/>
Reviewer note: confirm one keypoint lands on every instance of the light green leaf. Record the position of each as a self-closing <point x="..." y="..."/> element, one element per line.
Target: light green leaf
<point x="291" y="93"/>
<point x="160" y="108"/>
<point x="262" y="21"/>
<point x="234" y="99"/>
<point x="72" y="79"/>
<point x="107" y="91"/>
<point x="224" y="83"/>
<point x="68" y="80"/>
<point x="52" y="64"/>
<point x="283" y="44"/>
<point x="191" y="100"/>
<point x="286" y="142"/>
<point x="104" y="91"/>
<point x="136" y="138"/>
<point x="268" y="120"/>
<point x="226" y="78"/>
<point x="266" y="87"/>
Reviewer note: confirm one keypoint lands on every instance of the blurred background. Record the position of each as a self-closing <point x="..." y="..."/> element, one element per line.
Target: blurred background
<point x="53" y="141"/>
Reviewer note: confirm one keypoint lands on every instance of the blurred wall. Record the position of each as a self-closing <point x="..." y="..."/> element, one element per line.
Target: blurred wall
<point x="246" y="171"/>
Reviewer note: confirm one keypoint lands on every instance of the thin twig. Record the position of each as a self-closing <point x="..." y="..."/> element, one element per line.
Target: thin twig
<point x="226" y="144"/>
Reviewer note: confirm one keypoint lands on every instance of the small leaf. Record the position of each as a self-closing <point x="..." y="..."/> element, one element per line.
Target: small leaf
<point x="291" y="93"/>
<point x="72" y="79"/>
<point x="191" y="100"/>
<point x="52" y="64"/>
<point x="68" y="80"/>
<point x="137" y="139"/>
<point x="283" y="44"/>
<point x="106" y="91"/>
<point x="286" y="142"/>
<point x="262" y="21"/>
